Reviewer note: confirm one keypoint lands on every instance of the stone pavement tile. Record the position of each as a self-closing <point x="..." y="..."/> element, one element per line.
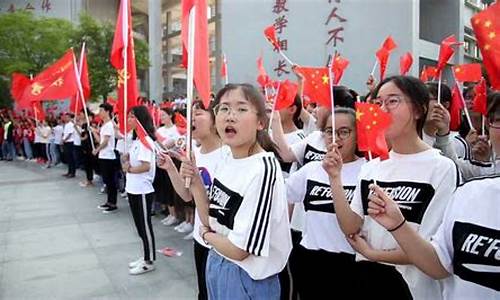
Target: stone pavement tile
<point x="83" y="284"/>
<point x="174" y="289"/>
<point x="4" y="226"/>
<point x="49" y="266"/>
<point x="34" y="243"/>
<point x="40" y="222"/>
<point x="109" y="232"/>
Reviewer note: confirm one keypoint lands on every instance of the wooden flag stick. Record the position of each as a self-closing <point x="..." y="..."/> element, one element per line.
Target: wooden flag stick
<point x="374" y="68"/>
<point x="439" y="88"/>
<point x="273" y="105"/>
<point x="330" y="79"/>
<point x="190" y="85"/>
<point x="466" y="111"/>
<point x="286" y="58"/>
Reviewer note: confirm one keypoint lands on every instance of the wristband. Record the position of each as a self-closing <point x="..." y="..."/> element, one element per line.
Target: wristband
<point x="397" y="227"/>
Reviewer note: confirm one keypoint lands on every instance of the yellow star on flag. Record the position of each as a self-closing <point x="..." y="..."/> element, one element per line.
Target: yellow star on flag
<point x="359" y="114"/>
<point x="487" y="24"/>
<point x="492" y="35"/>
<point x="58" y="82"/>
<point x="36" y="89"/>
<point x="325" y="79"/>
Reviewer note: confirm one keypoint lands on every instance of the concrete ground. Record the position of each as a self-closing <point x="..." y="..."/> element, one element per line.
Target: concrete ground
<point x="55" y="243"/>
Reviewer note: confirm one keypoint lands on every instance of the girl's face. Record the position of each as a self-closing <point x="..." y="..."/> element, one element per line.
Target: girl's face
<point x="165" y="118"/>
<point x="393" y="101"/>
<point x="202" y="123"/>
<point x="131" y="121"/>
<point x="494" y="131"/>
<point x="345" y="134"/>
<point x="237" y="121"/>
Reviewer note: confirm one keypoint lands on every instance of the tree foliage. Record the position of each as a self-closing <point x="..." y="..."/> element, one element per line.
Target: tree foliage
<point x="28" y="44"/>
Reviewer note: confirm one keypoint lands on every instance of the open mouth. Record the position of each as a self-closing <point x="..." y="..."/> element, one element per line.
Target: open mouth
<point x="230" y="131"/>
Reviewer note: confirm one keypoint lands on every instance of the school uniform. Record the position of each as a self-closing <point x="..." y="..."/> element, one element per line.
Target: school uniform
<point x="107" y="164"/>
<point x="248" y="206"/>
<point x="312" y="148"/>
<point x="468" y="241"/>
<point x="208" y="164"/>
<point x="68" y="137"/>
<point x="323" y="244"/>
<point x="139" y="187"/>
<point x="422" y="185"/>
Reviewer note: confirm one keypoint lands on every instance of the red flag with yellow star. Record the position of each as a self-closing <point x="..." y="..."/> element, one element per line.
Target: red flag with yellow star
<point x="57" y="82"/>
<point x="316" y="84"/>
<point x="446" y="51"/>
<point x="467" y="72"/>
<point x="405" y="63"/>
<point x="338" y="67"/>
<point x="479" y="103"/>
<point x="371" y="124"/>
<point x="486" y="25"/>
<point x="287" y="90"/>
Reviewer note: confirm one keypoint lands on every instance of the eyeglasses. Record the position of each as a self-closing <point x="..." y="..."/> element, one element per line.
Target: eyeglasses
<point x="341" y="133"/>
<point x="390" y="102"/>
<point x="223" y="110"/>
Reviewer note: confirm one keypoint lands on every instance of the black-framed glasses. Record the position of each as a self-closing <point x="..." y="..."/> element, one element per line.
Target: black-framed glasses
<point x="390" y="102"/>
<point x="342" y="133"/>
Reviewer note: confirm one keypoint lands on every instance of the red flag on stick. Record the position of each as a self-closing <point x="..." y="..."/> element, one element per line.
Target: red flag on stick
<point x="19" y="84"/>
<point x="286" y="94"/>
<point x="123" y="59"/>
<point x="383" y="55"/>
<point x="263" y="79"/>
<point x="56" y="82"/>
<point x="38" y="110"/>
<point x="446" y="51"/>
<point x="486" y="25"/>
<point x="316" y="84"/>
<point x="201" y="70"/>
<point x="428" y="73"/>
<point x="372" y="122"/>
<point x="75" y="104"/>
<point x="223" y="69"/>
<point x="479" y="103"/>
<point x="405" y="63"/>
<point x="143" y="136"/>
<point x="467" y="72"/>
<point x="456" y="107"/>
<point x="270" y="34"/>
<point x="338" y="67"/>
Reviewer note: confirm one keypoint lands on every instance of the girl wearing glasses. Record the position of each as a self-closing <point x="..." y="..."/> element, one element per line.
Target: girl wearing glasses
<point x="466" y="248"/>
<point x="244" y="213"/>
<point x="323" y="244"/>
<point x="416" y="176"/>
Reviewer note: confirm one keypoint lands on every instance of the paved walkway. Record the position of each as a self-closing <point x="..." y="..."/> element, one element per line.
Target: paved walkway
<point x="55" y="243"/>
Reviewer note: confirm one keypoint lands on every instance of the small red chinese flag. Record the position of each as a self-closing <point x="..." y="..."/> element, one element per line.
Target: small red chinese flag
<point x="316" y="84"/>
<point x="446" y="51"/>
<point x="479" y="103"/>
<point x="38" y="111"/>
<point x="18" y="85"/>
<point x="456" y="106"/>
<point x="405" y="63"/>
<point x="180" y="123"/>
<point x="270" y="34"/>
<point x="467" y="72"/>
<point x="486" y="25"/>
<point x="223" y="67"/>
<point x="383" y="55"/>
<point x="338" y="67"/>
<point x="143" y="135"/>
<point x="371" y="124"/>
<point x="287" y="91"/>
<point x="263" y="79"/>
<point x="56" y="82"/>
<point x="201" y="68"/>
<point x="428" y="73"/>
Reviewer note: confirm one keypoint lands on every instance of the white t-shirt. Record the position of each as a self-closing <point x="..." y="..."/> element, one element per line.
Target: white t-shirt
<point x="37" y="135"/>
<point x="107" y="152"/>
<point x="140" y="183"/>
<point x="468" y="241"/>
<point x="69" y="132"/>
<point x="169" y="134"/>
<point x="77" y="139"/>
<point x="44" y="134"/>
<point x="248" y="206"/>
<point x="312" y="148"/>
<point x="310" y="126"/>
<point x="208" y="164"/>
<point x="120" y="143"/>
<point x="422" y="185"/>
<point x="311" y="186"/>
<point x="58" y="134"/>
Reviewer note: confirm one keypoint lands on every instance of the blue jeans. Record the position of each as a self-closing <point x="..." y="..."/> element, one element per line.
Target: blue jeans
<point x="8" y="150"/>
<point x="27" y="148"/>
<point x="54" y="153"/>
<point x="228" y="281"/>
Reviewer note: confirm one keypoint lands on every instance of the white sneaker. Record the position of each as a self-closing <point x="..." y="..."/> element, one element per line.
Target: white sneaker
<point x="124" y="195"/>
<point x="141" y="268"/>
<point x="189" y="236"/>
<point x="176" y="228"/>
<point x="188" y="227"/>
<point x="134" y="264"/>
<point x="170" y="220"/>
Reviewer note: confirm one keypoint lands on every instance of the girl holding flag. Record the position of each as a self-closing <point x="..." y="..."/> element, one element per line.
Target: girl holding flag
<point x="415" y="175"/>
<point x="244" y="214"/>
<point x="139" y="164"/>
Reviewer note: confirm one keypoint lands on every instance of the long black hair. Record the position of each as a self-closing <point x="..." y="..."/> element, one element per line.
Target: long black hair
<point x="142" y="115"/>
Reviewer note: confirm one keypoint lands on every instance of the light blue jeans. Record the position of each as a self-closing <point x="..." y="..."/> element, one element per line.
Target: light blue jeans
<point x="27" y="148"/>
<point x="228" y="281"/>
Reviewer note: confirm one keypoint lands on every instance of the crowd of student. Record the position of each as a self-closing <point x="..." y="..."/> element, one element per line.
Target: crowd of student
<point x="294" y="210"/>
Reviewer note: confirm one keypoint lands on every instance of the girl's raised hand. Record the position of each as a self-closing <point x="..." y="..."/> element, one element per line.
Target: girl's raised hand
<point x="332" y="163"/>
<point x="383" y="209"/>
